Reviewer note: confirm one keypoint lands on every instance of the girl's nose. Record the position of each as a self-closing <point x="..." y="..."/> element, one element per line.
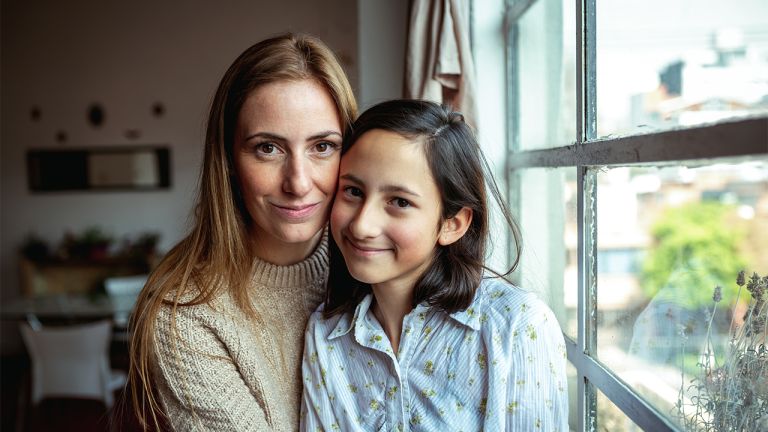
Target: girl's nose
<point x="298" y="176"/>
<point x="366" y="223"/>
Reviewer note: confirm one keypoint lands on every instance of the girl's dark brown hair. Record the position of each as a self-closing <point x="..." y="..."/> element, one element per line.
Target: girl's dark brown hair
<point x="463" y="178"/>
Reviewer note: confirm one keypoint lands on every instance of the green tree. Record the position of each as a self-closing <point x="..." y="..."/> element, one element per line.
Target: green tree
<point x="696" y="247"/>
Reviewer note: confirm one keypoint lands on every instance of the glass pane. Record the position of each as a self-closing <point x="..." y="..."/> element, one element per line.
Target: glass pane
<point x="661" y="64"/>
<point x="548" y="264"/>
<point x="667" y="237"/>
<point x="546" y="71"/>
<point x="573" y="401"/>
<point x="611" y="418"/>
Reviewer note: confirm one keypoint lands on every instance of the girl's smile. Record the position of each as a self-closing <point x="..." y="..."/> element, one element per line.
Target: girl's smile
<point x="366" y="251"/>
<point x="386" y="215"/>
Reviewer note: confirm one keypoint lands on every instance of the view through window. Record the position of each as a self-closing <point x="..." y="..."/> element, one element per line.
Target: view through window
<point x="638" y="135"/>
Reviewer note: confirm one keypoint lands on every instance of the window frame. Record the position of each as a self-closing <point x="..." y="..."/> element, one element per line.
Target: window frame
<point x="746" y="137"/>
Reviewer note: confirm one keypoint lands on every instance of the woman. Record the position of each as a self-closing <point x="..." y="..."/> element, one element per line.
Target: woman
<point x="218" y="330"/>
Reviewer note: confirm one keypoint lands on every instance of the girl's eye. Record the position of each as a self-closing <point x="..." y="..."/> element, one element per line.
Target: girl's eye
<point x="401" y="202"/>
<point x="353" y="191"/>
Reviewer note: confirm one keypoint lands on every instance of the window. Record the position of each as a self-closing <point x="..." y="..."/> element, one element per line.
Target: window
<point x="638" y="169"/>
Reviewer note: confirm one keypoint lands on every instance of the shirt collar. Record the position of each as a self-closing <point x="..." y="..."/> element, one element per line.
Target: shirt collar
<point x="347" y="322"/>
<point x="469" y="317"/>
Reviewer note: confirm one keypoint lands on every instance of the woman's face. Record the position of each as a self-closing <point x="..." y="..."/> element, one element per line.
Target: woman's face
<point x="286" y="154"/>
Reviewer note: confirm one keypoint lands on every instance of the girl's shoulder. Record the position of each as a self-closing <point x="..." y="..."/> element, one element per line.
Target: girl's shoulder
<point x="319" y="325"/>
<point x="498" y="291"/>
<point x="498" y="298"/>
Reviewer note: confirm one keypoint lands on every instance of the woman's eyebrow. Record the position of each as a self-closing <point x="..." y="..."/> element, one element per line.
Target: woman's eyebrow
<point x="265" y="135"/>
<point x="324" y="134"/>
<point x="276" y="137"/>
<point x="393" y="188"/>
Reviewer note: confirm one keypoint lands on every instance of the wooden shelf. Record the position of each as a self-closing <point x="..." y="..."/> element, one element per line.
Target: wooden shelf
<point x="52" y="276"/>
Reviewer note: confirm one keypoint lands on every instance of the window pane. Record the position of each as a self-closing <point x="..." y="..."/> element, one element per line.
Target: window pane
<point x="546" y="85"/>
<point x="666" y="238"/>
<point x="547" y="219"/>
<point x="573" y="401"/>
<point x="611" y="418"/>
<point x="661" y="64"/>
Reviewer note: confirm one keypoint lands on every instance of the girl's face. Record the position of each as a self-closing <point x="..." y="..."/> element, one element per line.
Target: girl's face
<point x="286" y="154"/>
<point x="386" y="215"/>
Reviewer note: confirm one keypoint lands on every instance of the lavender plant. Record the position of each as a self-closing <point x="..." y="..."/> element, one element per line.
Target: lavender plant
<point x="732" y="396"/>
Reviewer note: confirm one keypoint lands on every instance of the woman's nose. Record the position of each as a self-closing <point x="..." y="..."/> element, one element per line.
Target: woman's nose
<point x="298" y="176"/>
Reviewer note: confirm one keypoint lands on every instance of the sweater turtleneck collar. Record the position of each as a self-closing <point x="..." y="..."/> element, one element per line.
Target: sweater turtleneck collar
<point x="305" y="272"/>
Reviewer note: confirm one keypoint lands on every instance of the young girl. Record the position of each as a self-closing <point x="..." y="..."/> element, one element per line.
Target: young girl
<point x="412" y="336"/>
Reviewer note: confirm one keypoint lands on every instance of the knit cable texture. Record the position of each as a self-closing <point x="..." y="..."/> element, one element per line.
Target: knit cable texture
<point x="219" y="370"/>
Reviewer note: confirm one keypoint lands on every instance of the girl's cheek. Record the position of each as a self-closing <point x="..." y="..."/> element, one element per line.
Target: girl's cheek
<point x="404" y="233"/>
<point x="338" y="214"/>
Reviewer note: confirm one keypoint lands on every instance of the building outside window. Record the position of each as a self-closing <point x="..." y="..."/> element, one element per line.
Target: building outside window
<point x="640" y="129"/>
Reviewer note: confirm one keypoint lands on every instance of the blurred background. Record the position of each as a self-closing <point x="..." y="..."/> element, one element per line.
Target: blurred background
<point x="131" y="83"/>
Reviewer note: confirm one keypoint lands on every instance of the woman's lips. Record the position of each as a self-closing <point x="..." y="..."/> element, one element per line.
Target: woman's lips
<point x="296" y="212"/>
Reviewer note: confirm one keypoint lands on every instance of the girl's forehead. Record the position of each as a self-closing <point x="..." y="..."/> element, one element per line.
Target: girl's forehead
<point x="383" y="157"/>
<point x="380" y="141"/>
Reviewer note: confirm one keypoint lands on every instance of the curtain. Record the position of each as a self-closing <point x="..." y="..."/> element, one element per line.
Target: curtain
<point x="438" y="60"/>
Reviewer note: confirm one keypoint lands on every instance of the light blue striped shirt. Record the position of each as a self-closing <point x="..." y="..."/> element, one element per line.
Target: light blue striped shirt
<point x="499" y="365"/>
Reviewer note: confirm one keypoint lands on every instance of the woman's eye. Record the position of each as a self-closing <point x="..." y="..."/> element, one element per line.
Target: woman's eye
<point x="325" y="147"/>
<point x="266" y="148"/>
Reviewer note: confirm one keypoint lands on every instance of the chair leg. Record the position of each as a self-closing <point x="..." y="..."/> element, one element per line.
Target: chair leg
<point x="23" y="403"/>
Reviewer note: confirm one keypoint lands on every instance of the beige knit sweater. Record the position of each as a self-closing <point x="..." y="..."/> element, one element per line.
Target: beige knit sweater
<point x="227" y="373"/>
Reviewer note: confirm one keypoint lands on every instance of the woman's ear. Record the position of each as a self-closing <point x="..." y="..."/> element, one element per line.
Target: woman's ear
<point x="455" y="227"/>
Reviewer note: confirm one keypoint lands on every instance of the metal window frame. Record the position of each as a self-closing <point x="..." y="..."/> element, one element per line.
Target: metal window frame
<point x="746" y="137"/>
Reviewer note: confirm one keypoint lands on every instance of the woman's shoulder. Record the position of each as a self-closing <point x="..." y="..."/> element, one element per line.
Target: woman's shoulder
<point x="189" y="306"/>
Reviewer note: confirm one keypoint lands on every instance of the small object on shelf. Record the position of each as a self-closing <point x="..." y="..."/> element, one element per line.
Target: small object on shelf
<point x="132" y="134"/>
<point x="35" y="248"/>
<point x="81" y="262"/>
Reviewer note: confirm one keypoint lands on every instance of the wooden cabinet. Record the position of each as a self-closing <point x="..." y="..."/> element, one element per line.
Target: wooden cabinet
<point x="52" y="276"/>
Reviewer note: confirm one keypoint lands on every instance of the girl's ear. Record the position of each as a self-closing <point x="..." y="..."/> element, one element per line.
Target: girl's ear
<point x="454" y="228"/>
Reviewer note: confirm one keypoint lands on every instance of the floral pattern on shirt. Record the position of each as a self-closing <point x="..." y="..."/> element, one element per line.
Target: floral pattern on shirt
<point x="498" y="365"/>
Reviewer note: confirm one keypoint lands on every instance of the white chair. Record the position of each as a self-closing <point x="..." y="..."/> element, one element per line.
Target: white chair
<point x="72" y="361"/>
<point x="122" y="292"/>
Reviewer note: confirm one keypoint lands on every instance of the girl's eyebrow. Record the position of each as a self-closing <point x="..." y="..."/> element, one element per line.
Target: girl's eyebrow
<point x="385" y="188"/>
<point x="276" y="137"/>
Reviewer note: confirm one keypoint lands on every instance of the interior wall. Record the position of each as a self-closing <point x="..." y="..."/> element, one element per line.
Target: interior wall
<point x="383" y="27"/>
<point x="64" y="56"/>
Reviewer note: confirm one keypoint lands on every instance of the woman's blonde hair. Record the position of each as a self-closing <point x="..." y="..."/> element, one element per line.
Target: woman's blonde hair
<point x="216" y="254"/>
